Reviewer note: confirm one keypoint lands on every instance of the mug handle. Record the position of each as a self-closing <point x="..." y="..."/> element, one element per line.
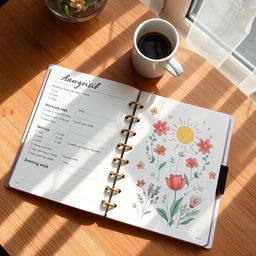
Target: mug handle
<point x="174" y="67"/>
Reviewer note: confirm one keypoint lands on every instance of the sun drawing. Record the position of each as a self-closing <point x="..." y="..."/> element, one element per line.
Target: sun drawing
<point x="184" y="133"/>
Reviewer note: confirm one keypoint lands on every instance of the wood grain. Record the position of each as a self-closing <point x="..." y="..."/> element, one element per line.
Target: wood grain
<point x="31" y="38"/>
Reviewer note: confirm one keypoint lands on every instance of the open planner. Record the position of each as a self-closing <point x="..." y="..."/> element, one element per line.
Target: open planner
<point x="135" y="157"/>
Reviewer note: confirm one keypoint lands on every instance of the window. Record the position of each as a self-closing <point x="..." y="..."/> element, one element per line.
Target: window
<point x="245" y="52"/>
<point x="219" y="40"/>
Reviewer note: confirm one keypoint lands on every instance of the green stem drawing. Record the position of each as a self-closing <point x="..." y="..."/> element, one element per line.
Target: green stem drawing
<point x="181" y="154"/>
<point x="152" y="159"/>
<point x="174" y="199"/>
<point x="180" y="219"/>
<point x="190" y="179"/>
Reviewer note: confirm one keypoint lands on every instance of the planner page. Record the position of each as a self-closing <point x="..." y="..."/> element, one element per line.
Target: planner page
<point x="170" y="181"/>
<point x="72" y="133"/>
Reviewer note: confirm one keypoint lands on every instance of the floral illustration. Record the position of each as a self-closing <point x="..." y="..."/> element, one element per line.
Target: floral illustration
<point x="140" y="183"/>
<point x="188" y="213"/>
<point x="175" y="143"/>
<point x="160" y="150"/>
<point x="154" y="154"/>
<point x="161" y="128"/>
<point x="174" y="182"/>
<point x="211" y="175"/>
<point x="198" y="188"/>
<point x="194" y="201"/>
<point x="204" y="146"/>
<point x="146" y="199"/>
<point x="191" y="162"/>
<point x="153" y="111"/>
<point x="140" y="165"/>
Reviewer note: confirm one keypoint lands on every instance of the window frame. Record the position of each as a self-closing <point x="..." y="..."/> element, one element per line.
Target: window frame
<point x="176" y="12"/>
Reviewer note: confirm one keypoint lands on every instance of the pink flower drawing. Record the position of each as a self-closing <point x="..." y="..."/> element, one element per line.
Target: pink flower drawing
<point x="175" y="182"/>
<point x="204" y="146"/>
<point x="191" y="162"/>
<point x="160" y="150"/>
<point x="194" y="201"/>
<point x="161" y="128"/>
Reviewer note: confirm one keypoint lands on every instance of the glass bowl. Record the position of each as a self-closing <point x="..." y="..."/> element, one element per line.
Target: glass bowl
<point x="75" y="11"/>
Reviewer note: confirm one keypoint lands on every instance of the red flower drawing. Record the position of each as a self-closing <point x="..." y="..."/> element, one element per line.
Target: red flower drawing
<point x="161" y="128"/>
<point x="175" y="182"/>
<point x="194" y="201"/>
<point x="160" y="150"/>
<point x="204" y="146"/>
<point x="191" y="162"/>
<point x="140" y="183"/>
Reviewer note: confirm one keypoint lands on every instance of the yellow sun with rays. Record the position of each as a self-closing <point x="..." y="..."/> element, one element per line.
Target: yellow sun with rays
<point x="184" y="133"/>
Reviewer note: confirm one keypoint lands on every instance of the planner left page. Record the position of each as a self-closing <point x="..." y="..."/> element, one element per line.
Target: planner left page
<point x="72" y="133"/>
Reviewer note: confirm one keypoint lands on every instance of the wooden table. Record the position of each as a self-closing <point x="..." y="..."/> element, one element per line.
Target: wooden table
<point x="30" y="39"/>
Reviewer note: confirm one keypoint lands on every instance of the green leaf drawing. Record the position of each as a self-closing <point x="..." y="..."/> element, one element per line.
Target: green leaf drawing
<point x="162" y="165"/>
<point x="162" y="213"/>
<point x="207" y="163"/>
<point x="171" y="222"/>
<point x="175" y="207"/>
<point x="172" y="160"/>
<point x="196" y="175"/>
<point x="150" y="137"/>
<point x="140" y="198"/>
<point x="186" y="221"/>
<point x="152" y="159"/>
<point x="147" y="212"/>
<point x="181" y="154"/>
<point x="147" y="148"/>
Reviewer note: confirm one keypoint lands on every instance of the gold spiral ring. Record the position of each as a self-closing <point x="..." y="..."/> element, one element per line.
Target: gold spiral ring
<point x="106" y="204"/>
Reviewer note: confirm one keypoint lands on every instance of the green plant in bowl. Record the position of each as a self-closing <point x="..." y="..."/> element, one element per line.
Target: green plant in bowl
<point x="75" y="10"/>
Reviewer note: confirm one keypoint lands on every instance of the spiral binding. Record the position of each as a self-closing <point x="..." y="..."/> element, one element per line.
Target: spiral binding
<point x="136" y="103"/>
<point x="106" y="204"/>
<point x="134" y="118"/>
<point x="112" y="190"/>
<point x="117" y="175"/>
<point x="120" y="160"/>
<point x="133" y="133"/>
<point x="123" y="145"/>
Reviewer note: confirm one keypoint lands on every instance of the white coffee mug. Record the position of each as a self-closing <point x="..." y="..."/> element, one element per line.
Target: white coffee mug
<point x="149" y="67"/>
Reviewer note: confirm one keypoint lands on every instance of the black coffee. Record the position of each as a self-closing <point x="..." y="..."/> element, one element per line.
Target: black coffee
<point x="154" y="45"/>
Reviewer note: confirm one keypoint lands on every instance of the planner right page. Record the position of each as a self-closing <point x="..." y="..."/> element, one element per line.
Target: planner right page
<point x="171" y="179"/>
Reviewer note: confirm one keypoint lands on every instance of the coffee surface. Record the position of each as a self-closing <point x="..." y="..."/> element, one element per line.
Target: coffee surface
<point x="155" y="45"/>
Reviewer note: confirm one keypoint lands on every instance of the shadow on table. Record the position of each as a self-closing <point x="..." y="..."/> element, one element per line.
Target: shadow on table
<point x="31" y="40"/>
